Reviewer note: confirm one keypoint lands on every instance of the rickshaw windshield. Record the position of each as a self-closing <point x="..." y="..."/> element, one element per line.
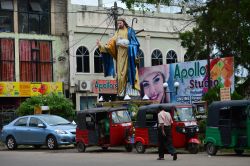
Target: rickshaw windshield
<point x="184" y="114"/>
<point x="120" y="117"/>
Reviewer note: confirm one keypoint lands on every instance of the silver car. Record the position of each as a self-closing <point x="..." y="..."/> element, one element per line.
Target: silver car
<point x="38" y="130"/>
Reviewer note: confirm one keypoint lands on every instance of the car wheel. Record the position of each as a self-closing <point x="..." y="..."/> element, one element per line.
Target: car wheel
<point x="11" y="143"/>
<point x="52" y="143"/>
<point x="139" y="147"/>
<point x="193" y="148"/>
<point x="211" y="149"/>
<point x="80" y="147"/>
<point x="239" y="151"/>
<point x="129" y="147"/>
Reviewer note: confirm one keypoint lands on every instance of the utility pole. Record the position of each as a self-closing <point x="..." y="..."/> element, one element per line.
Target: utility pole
<point x="208" y="66"/>
<point x="115" y="14"/>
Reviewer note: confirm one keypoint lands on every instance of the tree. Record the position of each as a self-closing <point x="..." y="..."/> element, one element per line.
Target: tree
<point x="213" y="94"/>
<point x="141" y="3"/>
<point x="224" y="25"/>
<point x="58" y="105"/>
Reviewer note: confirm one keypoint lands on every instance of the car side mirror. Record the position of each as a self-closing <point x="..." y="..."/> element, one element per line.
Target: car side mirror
<point x="40" y="125"/>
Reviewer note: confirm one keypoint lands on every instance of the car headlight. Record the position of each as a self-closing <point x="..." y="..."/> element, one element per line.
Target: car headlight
<point x="60" y="132"/>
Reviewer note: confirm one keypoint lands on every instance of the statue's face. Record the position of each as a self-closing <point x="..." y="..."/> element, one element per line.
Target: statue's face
<point x="120" y="24"/>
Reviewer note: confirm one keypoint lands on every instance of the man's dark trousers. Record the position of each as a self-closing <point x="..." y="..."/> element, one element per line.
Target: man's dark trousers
<point x="165" y="141"/>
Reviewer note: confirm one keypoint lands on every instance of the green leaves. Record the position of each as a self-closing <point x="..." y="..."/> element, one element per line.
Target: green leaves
<point x="58" y="105"/>
<point x="224" y="25"/>
<point x="141" y="3"/>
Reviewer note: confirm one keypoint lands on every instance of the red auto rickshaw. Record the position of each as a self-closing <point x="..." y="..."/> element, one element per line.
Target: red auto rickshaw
<point x="184" y="129"/>
<point x="105" y="127"/>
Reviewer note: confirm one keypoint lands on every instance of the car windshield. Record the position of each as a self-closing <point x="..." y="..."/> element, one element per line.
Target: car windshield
<point x="120" y="117"/>
<point x="184" y="114"/>
<point x="55" y="120"/>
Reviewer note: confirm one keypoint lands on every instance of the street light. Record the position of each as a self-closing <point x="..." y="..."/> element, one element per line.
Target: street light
<point x="176" y="86"/>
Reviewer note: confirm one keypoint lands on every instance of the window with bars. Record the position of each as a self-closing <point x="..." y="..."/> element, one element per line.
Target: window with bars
<point x="156" y="57"/>
<point x="98" y="61"/>
<point x="82" y="60"/>
<point x="171" y="57"/>
<point x="34" y="16"/>
<point x="7" y="60"/>
<point x="140" y="56"/>
<point x="36" y="62"/>
<point x="6" y="16"/>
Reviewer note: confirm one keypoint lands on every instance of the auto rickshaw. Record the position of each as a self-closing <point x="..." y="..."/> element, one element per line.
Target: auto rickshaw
<point x="105" y="127"/>
<point x="184" y="128"/>
<point x="228" y="126"/>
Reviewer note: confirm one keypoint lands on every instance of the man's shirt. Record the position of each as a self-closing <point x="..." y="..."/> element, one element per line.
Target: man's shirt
<point x="165" y="118"/>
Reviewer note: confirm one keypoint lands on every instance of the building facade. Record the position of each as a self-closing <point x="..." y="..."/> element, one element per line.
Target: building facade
<point x="159" y="44"/>
<point x="33" y="54"/>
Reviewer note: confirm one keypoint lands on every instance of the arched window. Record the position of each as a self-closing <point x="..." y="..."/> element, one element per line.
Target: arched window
<point x="98" y="61"/>
<point x="140" y="55"/>
<point x="171" y="57"/>
<point x="156" y="57"/>
<point x="82" y="60"/>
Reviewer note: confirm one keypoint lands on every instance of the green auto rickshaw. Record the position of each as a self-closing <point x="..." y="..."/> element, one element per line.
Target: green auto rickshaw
<point x="228" y="126"/>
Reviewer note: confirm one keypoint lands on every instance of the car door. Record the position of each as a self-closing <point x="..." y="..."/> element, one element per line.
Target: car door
<point x="37" y="131"/>
<point x="20" y="129"/>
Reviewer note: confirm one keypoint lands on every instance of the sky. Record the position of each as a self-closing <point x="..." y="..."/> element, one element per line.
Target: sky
<point x="110" y="3"/>
<point x="106" y="3"/>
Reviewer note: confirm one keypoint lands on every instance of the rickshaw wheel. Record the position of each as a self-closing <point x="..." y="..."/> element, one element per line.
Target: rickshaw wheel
<point x="211" y="149"/>
<point x="239" y="151"/>
<point x="193" y="148"/>
<point x="128" y="147"/>
<point x="139" y="147"/>
<point x="81" y="147"/>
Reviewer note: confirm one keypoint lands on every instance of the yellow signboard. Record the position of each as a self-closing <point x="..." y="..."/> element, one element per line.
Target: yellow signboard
<point x="225" y="94"/>
<point x="27" y="89"/>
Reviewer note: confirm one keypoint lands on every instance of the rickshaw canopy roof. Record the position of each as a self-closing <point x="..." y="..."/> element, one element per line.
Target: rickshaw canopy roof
<point x="152" y="109"/>
<point x="167" y="106"/>
<point x="215" y="107"/>
<point x="102" y="109"/>
<point x="81" y="115"/>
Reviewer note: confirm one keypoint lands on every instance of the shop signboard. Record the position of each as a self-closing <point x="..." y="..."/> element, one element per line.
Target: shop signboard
<point x="28" y="89"/>
<point x="225" y="94"/>
<point x="104" y="87"/>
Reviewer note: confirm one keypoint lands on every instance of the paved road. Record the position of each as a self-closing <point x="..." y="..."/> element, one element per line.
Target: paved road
<point x="96" y="157"/>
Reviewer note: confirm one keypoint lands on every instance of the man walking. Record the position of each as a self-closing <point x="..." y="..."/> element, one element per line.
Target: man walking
<point x="164" y="134"/>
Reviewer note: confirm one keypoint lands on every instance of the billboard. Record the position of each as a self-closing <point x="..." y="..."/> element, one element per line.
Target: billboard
<point x="192" y="77"/>
<point x="27" y="89"/>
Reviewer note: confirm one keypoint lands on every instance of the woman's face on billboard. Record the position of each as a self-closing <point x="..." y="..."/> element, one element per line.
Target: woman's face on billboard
<point x="153" y="86"/>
